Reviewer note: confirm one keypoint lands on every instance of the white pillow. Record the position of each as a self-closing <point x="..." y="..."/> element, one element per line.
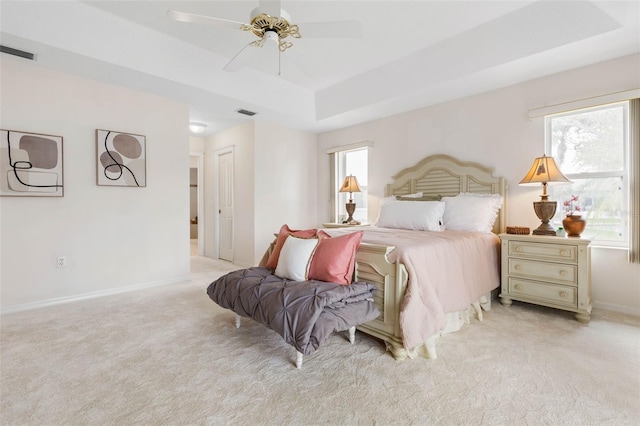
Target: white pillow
<point x="471" y="212"/>
<point x="414" y="215"/>
<point x="295" y="258"/>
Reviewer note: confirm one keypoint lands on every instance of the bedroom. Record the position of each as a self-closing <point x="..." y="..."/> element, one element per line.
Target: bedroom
<point x="148" y="229"/>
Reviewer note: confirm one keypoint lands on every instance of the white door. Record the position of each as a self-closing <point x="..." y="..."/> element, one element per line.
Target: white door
<point x="225" y="203"/>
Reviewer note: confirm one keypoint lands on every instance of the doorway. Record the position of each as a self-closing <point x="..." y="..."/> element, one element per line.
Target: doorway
<point x="196" y="197"/>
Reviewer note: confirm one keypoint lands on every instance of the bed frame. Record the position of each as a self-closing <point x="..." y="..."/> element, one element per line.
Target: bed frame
<point x="435" y="175"/>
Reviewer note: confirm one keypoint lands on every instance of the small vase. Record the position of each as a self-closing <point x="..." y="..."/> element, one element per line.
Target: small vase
<point x="574" y="225"/>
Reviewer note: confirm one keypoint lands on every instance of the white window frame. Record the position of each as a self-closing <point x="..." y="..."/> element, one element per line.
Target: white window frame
<point x="623" y="174"/>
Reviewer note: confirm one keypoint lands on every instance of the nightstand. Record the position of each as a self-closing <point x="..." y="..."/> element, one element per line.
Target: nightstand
<point x="342" y="225"/>
<point x="548" y="271"/>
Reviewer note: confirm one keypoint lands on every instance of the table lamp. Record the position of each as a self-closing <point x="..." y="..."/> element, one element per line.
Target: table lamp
<point x="544" y="170"/>
<point x="350" y="185"/>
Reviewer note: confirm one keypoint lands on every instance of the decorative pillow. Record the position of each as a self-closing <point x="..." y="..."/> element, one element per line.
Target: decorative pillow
<point x="418" y="215"/>
<point x="295" y="258"/>
<point x="285" y="231"/>
<point x="471" y="212"/>
<point x="335" y="258"/>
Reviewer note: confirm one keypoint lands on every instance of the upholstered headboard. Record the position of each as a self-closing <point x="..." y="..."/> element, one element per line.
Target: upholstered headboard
<point x="447" y="176"/>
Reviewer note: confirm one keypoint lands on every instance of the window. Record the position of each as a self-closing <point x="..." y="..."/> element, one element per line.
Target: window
<point x="590" y="147"/>
<point x="352" y="162"/>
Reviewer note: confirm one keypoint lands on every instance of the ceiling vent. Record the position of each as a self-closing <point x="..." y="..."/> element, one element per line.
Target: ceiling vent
<point x="246" y="112"/>
<point x="16" y="52"/>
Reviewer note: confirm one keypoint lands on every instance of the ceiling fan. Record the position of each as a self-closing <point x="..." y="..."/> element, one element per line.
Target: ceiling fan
<point x="272" y="25"/>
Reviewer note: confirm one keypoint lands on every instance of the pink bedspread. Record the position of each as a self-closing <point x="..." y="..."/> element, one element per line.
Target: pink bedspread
<point x="448" y="271"/>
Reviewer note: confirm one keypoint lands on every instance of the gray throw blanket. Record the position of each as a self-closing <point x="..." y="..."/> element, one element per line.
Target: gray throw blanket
<point x="304" y="313"/>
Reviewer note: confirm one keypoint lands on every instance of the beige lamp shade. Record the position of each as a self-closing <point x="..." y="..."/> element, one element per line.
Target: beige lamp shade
<point x="350" y="184"/>
<point x="544" y="170"/>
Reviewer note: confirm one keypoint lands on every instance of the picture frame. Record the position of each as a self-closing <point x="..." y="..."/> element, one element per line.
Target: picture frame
<point x="31" y="164"/>
<point x="120" y="159"/>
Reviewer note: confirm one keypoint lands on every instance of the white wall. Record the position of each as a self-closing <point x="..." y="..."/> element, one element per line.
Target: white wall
<point x="286" y="179"/>
<point x="493" y="129"/>
<point x="114" y="238"/>
<point x="274" y="183"/>
<point x="196" y="146"/>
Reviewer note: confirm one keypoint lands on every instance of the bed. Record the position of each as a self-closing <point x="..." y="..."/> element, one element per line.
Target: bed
<point x="396" y="290"/>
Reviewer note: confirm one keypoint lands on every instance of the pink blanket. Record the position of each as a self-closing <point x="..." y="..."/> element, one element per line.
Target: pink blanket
<point x="448" y="271"/>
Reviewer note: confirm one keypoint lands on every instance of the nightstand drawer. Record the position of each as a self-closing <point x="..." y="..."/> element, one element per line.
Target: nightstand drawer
<point x="544" y="271"/>
<point x="546" y="251"/>
<point x="557" y="294"/>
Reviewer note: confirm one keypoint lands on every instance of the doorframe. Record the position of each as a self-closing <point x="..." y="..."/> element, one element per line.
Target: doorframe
<point x="200" y="169"/>
<point x="219" y="152"/>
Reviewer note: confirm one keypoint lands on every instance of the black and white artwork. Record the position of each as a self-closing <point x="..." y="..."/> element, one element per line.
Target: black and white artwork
<point x="121" y="159"/>
<point x="30" y="164"/>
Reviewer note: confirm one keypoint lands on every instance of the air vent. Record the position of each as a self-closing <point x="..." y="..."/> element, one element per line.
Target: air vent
<point x="16" y="52"/>
<point x="246" y="112"/>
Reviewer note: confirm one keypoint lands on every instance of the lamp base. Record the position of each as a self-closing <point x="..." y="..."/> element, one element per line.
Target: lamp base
<point x="545" y="211"/>
<point x="544" y="229"/>
<point x="351" y="208"/>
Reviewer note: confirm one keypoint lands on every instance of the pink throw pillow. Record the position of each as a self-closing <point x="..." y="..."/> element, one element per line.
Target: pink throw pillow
<point x="285" y="231"/>
<point x="335" y="258"/>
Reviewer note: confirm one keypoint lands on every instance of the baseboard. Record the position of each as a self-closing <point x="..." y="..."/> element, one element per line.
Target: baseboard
<point x="92" y="295"/>
<point x="629" y="310"/>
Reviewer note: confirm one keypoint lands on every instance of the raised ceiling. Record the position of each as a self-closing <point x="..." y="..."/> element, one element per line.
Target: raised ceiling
<point x="411" y="54"/>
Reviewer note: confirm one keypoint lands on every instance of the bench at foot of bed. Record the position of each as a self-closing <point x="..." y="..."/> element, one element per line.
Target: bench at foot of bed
<point x="304" y="313"/>
<point x="299" y="355"/>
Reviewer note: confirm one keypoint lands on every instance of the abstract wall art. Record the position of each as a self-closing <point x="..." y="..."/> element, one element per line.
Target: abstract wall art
<point x="121" y="159"/>
<point x="30" y="164"/>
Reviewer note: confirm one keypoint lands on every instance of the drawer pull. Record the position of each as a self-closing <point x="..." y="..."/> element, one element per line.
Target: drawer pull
<point x="563" y="273"/>
<point x="563" y="294"/>
<point x="517" y="267"/>
<point x="517" y="248"/>
<point x="517" y="287"/>
<point x="564" y="252"/>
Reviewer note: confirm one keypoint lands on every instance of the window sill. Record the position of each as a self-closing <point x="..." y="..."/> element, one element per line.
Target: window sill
<point x="600" y="246"/>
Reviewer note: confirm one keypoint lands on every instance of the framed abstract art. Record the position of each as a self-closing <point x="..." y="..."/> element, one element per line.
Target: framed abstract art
<point x="121" y="159"/>
<point x="30" y="164"/>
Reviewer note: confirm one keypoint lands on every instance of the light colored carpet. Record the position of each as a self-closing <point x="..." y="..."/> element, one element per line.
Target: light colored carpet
<point x="169" y="355"/>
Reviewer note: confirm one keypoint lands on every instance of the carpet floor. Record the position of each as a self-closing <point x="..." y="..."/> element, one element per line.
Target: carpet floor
<point x="169" y="355"/>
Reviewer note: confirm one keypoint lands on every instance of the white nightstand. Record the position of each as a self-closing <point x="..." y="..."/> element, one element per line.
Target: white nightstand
<point x="342" y="225"/>
<point x="548" y="271"/>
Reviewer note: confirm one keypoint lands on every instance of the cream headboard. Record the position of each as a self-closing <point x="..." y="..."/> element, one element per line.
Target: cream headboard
<point x="446" y="176"/>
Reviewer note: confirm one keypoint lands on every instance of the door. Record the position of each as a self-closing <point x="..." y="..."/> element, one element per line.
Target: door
<point x="225" y="205"/>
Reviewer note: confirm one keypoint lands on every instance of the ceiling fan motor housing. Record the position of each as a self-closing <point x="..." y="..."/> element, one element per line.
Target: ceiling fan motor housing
<point x="264" y="25"/>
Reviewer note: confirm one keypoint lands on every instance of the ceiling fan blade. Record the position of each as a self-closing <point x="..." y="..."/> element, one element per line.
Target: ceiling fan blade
<point x="241" y="58"/>
<point x="331" y="29"/>
<point x="270" y="7"/>
<point x="202" y="19"/>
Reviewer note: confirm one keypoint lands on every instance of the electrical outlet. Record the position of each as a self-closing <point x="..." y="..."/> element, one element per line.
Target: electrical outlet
<point x="62" y="261"/>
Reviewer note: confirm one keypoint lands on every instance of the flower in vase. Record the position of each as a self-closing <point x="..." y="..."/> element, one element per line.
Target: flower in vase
<point x="571" y="205"/>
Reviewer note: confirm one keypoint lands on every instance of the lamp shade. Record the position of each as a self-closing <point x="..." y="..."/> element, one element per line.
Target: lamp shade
<point x="350" y="184"/>
<point x="544" y="170"/>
